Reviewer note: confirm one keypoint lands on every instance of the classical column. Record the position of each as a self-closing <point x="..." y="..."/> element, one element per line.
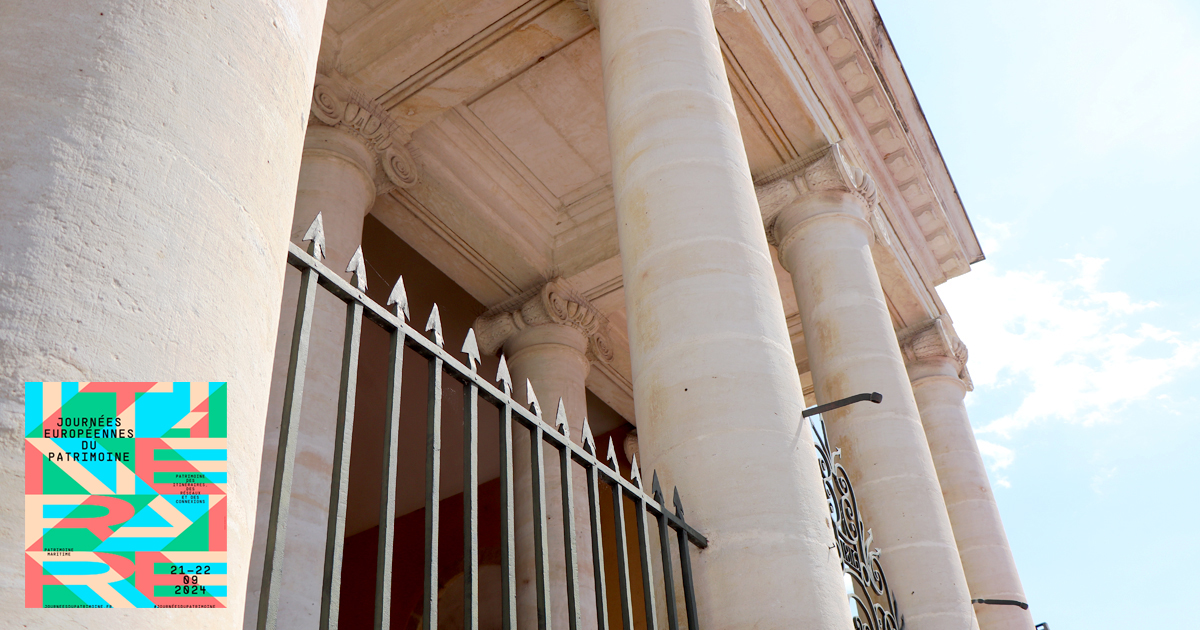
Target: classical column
<point x="716" y="392"/>
<point x="350" y="155"/>
<point x="936" y="361"/>
<point x="818" y="213"/>
<point x="146" y="189"/>
<point x="549" y="337"/>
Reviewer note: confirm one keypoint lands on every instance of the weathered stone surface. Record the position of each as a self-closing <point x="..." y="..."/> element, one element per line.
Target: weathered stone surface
<point x="338" y="180"/>
<point x="147" y="181"/>
<point x="824" y="234"/>
<point x="715" y="384"/>
<point x="936" y="359"/>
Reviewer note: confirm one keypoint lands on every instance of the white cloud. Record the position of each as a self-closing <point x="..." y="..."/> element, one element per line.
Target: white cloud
<point x="993" y="235"/>
<point x="1070" y="350"/>
<point x="998" y="458"/>
<point x="1089" y="280"/>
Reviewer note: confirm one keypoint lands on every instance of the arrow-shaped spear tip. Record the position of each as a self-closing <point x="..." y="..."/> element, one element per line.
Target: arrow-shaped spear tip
<point x="534" y="405"/>
<point x="316" y="234"/>
<point x="358" y="267"/>
<point x="435" y="324"/>
<point x="678" y="504"/>
<point x="612" y="456"/>
<point x="400" y="299"/>
<point x="655" y="488"/>
<point x="589" y="442"/>
<point x="471" y="348"/>
<point x="503" y="377"/>
<point x="560" y="420"/>
<point x="635" y="475"/>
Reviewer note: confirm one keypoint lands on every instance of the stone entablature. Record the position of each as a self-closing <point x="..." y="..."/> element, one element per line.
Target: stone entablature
<point x="873" y="99"/>
<point x="552" y="303"/>
<point x="932" y="340"/>
<point x="337" y="104"/>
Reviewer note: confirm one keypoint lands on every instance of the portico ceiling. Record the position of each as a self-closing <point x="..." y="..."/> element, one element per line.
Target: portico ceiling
<point x="501" y="104"/>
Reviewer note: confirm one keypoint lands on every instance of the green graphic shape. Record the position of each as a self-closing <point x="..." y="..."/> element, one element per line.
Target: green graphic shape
<point x="56" y="481"/>
<point x="194" y="538"/>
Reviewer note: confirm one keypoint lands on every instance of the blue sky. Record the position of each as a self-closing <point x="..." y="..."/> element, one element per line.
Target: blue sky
<point x="1072" y="130"/>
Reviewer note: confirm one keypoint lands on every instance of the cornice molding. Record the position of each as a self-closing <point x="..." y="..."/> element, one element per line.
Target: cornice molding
<point x="720" y="6"/>
<point x="337" y="104"/>
<point x="871" y="96"/>
<point x="935" y="340"/>
<point x="555" y="302"/>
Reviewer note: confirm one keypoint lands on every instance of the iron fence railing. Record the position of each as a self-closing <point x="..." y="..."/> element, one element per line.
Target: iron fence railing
<point x="875" y="607"/>
<point x="475" y="387"/>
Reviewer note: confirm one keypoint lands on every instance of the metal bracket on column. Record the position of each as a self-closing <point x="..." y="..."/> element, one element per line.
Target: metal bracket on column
<point x="1001" y="602"/>
<point x="874" y="397"/>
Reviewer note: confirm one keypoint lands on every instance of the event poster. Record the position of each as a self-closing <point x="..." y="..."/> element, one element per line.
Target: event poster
<point x="125" y="495"/>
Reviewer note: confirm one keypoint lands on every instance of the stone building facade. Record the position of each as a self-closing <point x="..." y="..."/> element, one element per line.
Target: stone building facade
<point x="694" y="218"/>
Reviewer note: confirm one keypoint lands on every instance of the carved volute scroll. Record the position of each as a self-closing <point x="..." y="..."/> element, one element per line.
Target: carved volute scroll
<point x="826" y="169"/>
<point x="553" y="303"/>
<point x="337" y="104"/>
<point x="933" y="340"/>
<point x="718" y="6"/>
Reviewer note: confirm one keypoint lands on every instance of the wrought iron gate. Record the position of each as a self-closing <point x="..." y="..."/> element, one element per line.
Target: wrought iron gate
<point x="475" y="387"/>
<point x="874" y="605"/>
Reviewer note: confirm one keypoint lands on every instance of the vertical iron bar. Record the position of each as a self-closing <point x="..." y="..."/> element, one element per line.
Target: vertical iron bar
<point x="622" y="557"/>
<point x="689" y="588"/>
<point x="339" y="488"/>
<point x="541" y="550"/>
<point x="387" y="489"/>
<point x="508" y="551"/>
<point x="433" y="482"/>
<point x="569" y="544"/>
<point x="285" y="455"/>
<point x="597" y="547"/>
<point x="470" y="506"/>
<point x="647" y="569"/>
<point x="664" y="540"/>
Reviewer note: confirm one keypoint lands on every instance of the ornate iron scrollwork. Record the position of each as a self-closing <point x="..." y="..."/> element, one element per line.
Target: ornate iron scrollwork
<point x="875" y="606"/>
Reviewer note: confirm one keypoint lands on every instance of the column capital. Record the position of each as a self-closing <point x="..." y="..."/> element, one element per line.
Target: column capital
<point x="718" y="6"/>
<point x="826" y="169"/>
<point x="337" y="104"/>
<point x="553" y="303"/>
<point x="933" y="341"/>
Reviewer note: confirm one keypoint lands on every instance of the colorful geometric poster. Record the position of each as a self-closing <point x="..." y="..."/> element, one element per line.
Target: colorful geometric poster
<point x="125" y="495"/>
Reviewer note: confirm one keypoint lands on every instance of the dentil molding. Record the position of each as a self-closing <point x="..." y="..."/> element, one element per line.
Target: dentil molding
<point x="553" y="303"/>
<point x="854" y="59"/>
<point x="337" y="104"/>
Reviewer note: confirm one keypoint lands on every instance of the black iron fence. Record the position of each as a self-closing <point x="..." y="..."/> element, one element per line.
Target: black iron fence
<point x="475" y="388"/>
<point x="874" y="606"/>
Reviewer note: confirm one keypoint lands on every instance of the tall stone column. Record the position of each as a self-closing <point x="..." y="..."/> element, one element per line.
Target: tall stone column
<point x="549" y="336"/>
<point x="147" y="180"/>
<point x="716" y="392"/>
<point x="936" y="361"/>
<point x="350" y="155"/>
<point x="819" y="215"/>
